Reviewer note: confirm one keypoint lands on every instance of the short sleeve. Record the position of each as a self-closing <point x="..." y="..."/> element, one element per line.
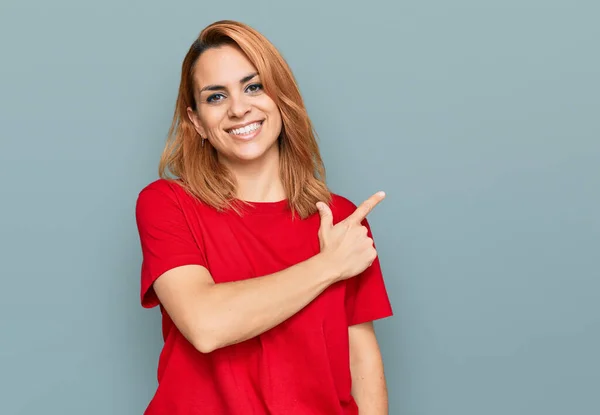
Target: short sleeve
<point x="366" y="295"/>
<point x="165" y="237"/>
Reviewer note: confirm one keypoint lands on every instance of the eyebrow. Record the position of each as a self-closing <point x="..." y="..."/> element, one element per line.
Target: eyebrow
<point x="221" y="87"/>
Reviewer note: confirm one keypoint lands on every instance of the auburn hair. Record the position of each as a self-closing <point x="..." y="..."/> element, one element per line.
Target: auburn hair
<point x="197" y="168"/>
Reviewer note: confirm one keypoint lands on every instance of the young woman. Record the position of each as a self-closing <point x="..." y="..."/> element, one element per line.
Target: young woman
<point x="268" y="283"/>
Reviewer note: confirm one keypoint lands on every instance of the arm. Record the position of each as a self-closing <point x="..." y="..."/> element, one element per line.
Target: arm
<point x="212" y="315"/>
<point x="368" y="379"/>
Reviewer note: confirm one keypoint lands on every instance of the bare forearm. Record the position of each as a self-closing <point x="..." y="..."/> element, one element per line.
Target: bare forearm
<point x="236" y="311"/>
<point x="369" y="389"/>
<point x="366" y="366"/>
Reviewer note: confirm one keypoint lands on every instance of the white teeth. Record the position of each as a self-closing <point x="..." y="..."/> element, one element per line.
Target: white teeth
<point x="245" y="130"/>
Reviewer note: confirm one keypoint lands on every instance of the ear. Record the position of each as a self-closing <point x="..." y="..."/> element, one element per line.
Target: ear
<point x="193" y="116"/>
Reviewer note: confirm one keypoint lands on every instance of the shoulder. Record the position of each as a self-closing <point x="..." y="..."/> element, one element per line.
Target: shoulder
<point x="341" y="207"/>
<point x="165" y="186"/>
<point x="340" y="202"/>
<point x="160" y="195"/>
<point x="162" y="189"/>
<point x="166" y="197"/>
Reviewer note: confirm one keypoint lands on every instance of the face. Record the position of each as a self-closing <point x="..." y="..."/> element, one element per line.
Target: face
<point x="233" y="111"/>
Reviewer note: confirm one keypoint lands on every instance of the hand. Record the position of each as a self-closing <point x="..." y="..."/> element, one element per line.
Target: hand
<point x="346" y="246"/>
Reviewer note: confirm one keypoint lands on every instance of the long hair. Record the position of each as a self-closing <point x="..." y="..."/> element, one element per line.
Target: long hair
<point x="197" y="168"/>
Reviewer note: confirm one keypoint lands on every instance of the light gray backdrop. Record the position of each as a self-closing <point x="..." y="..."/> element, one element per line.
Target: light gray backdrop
<point x="479" y="118"/>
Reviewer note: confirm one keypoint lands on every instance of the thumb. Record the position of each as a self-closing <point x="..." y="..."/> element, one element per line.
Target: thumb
<point x="326" y="215"/>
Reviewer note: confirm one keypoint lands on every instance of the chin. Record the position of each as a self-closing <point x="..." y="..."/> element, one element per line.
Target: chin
<point x="250" y="155"/>
<point x="254" y="150"/>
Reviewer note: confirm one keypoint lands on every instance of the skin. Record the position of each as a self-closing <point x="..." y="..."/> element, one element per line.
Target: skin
<point x="255" y="162"/>
<point x="212" y="315"/>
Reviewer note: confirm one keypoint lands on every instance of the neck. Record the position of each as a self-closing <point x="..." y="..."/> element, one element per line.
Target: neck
<point x="259" y="180"/>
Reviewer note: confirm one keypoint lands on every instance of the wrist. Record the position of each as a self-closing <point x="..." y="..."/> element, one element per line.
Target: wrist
<point x="326" y="269"/>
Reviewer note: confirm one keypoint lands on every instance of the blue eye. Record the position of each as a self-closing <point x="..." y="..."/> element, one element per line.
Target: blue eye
<point x="215" y="98"/>
<point x="254" y="87"/>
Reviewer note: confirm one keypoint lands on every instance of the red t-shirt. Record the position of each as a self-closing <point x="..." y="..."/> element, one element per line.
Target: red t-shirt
<point x="301" y="366"/>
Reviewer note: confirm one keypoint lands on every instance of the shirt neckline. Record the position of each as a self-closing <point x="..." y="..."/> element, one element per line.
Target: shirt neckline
<point x="263" y="207"/>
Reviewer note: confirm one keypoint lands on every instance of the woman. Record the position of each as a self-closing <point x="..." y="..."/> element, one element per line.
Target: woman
<point x="267" y="306"/>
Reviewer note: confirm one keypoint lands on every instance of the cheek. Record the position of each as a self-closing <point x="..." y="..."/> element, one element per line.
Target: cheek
<point x="274" y="113"/>
<point x="278" y="122"/>
<point x="211" y="119"/>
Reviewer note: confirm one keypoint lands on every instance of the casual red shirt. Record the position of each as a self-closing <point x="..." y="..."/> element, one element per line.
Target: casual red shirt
<point x="301" y="366"/>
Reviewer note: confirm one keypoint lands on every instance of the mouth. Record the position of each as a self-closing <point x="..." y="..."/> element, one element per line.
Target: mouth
<point x="248" y="131"/>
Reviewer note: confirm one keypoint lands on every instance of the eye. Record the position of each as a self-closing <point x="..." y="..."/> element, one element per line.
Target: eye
<point x="253" y="88"/>
<point x="215" y="98"/>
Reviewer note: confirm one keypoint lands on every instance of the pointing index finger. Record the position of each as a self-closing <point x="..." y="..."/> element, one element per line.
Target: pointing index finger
<point x="366" y="207"/>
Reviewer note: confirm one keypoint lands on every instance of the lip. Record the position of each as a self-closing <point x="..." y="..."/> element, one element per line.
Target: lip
<point x="243" y="125"/>
<point x="250" y="135"/>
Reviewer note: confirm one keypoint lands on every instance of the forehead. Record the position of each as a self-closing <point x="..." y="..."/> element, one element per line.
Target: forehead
<point x="224" y="65"/>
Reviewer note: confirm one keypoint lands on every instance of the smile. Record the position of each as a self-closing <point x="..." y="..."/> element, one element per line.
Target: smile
<point x="247" y="131"/>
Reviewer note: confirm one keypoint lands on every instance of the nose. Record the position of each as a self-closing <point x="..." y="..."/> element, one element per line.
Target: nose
<point x="239" y="106"/>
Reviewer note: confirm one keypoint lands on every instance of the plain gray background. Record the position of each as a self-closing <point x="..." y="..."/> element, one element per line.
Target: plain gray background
<point x="479" y="118"/>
